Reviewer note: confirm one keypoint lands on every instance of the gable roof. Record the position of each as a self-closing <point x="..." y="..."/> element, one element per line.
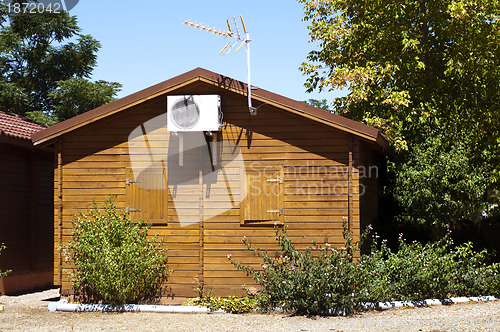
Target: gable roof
<point x="224" y="82"/>
<point x="16" y="126"/>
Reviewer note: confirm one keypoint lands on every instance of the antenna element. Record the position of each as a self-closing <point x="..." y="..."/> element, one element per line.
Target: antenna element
<point x="233" y="32"/>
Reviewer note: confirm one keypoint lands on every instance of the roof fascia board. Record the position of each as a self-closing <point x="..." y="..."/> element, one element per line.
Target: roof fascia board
<point x="15" y="141"/>
<point x="47" y="140"/>
<point x="267" y="101"/>
<point x="315" y="118"/>
<point x="217" y="80"/>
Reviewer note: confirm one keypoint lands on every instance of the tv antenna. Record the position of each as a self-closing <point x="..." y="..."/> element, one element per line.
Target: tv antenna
<point x="241" y="37"/>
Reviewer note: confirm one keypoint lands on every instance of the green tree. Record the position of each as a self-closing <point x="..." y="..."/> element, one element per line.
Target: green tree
<point x="427" y="74"/>
<point x="323" y="104"/>
<point x="78" y="95"/>
<point x="39" y="53"/>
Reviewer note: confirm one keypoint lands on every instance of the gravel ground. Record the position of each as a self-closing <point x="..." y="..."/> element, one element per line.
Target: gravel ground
<point x="29" y="313"/>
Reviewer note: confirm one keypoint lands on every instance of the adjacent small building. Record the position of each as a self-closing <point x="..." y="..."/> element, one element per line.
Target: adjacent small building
<point x="26" y="204"/>
<point x="188" y="156"/>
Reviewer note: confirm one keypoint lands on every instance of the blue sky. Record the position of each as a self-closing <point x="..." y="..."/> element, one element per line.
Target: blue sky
<point x="144" y="43"/>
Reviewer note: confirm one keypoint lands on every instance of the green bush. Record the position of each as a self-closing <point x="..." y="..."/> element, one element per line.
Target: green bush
<point x="473" y="276"/>
<point x="306" y="283"/>
<point x="323" y="279"/>
<point x="494" y="274"/>
<point x="414" y="272"/>
<point x="433" y="270"/>
<point x="114" y="260"/>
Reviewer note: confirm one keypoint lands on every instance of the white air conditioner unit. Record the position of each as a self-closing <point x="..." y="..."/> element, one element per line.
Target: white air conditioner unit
<point x="193" y="113"/>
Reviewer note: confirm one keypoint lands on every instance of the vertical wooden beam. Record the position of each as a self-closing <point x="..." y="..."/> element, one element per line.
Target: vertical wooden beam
<point x="33" y="210"/>
<point x="165" y="181"/>
<point x="201" y="227"/>
<point x="350" y="188"/>
<point x="281" y="199"/>
<point x="59" y="205"/>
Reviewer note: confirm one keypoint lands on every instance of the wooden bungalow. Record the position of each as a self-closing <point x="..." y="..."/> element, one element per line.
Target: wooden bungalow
<point x="205" y="188"/>
<point x="26" y="221"/>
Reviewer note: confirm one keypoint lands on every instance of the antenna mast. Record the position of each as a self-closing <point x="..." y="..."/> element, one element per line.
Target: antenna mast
<point x="241" y="38"/>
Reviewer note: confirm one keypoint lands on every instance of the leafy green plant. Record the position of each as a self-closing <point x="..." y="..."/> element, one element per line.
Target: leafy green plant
<point x="434" y="270"/>
<point x="233" y="304"/>
<point x="322" y="279"/>
<point x="493" y="273"/>
<point x="427" y="76"/>
<point x="473" y="275"/>
<point x="114" y="260"/>
<point x="314" y="281"/>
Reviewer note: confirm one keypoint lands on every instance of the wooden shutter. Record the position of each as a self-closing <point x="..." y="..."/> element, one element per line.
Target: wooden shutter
<point x="264" y="203"/>
<point x="146" y="196"/>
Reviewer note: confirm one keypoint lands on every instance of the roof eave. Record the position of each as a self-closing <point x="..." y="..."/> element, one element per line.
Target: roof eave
<point x="47" y="136"/>
<point x="369" y="133"/>
<point x="12" y="140"/>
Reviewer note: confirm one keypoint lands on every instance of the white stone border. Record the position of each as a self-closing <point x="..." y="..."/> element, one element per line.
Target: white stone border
<point x="423" y="303"/>
<point x="63" y="305"/>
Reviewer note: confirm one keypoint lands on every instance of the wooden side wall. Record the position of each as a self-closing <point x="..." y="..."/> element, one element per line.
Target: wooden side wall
<point x="320" y="189"/>
<point x="26" y="218"/>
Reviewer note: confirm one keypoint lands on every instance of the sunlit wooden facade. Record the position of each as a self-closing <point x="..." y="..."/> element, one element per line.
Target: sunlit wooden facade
<point x="320" y="169"/>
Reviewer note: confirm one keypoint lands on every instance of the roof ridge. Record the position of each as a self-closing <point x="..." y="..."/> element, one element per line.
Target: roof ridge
<point x="226" y="82"/>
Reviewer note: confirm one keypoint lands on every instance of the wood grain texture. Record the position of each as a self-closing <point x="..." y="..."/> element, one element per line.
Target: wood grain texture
<point x="317" y="164"/>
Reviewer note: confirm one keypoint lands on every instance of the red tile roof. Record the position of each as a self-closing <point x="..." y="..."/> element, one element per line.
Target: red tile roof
<point x="17" y="126"/>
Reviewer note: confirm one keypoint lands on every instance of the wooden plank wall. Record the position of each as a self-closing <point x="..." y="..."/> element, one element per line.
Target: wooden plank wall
<point x="26" y="218"/>
<point x="314" y="159"/>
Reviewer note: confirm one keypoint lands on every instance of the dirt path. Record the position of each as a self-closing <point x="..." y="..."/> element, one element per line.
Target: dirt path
<point x="29" y="313"/>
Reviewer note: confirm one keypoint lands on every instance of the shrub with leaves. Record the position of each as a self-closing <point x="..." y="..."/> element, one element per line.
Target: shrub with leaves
<point x="494" y="274"/>
<point x="474" y="276"/>
<point x="434" y="270"/>
<point x="322" y="279"/>
<point x="114" y="260"/>
<point x="232" y="304"/>
<point x="308" y="283"/>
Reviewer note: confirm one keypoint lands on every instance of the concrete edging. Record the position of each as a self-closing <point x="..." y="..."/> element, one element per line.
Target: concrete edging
<point x="423" y="303"/>
<point x="63" y="305"/>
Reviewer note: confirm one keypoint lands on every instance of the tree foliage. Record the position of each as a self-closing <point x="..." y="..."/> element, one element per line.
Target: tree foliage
<point x="427" y="74"/>
<point x="39" y="53"/>
<point x="78" y="95"/>
<point x="323" y="104"/>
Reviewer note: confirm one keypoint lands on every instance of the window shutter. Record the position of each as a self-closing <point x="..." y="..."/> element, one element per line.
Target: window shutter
<point x="264" y="203"/>
<point x="146" y="196"/>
